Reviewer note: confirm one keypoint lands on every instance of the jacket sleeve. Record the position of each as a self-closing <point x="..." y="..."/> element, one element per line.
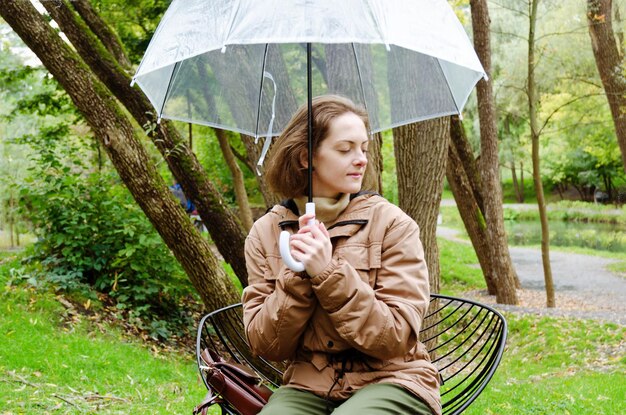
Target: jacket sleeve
<point x="277" y="308"/>
<point x="383" y="320"/>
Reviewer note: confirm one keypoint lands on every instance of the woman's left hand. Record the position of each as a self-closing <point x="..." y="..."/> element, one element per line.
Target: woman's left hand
<point x="312" y="246"/>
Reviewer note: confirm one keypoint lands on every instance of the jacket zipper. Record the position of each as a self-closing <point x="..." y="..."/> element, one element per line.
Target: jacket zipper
<point x="350" y="222"/>
<point x="286" y="223"/>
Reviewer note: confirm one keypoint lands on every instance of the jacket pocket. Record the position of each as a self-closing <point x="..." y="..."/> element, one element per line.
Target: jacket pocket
<point x="273" y="264"/>
<point x="366" y="259"/>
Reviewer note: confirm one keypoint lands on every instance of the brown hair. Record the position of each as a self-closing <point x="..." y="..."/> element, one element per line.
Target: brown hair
<point x="285" y="174"/>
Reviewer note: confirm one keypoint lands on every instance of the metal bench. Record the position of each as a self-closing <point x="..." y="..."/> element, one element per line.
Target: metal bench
<point x="465" y="339"/>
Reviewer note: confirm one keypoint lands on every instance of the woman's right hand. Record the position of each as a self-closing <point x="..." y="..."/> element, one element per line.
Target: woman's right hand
<point x="311" y="245"/>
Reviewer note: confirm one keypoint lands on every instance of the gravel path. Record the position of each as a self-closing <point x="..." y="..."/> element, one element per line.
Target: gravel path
<point x="584" y="287"/>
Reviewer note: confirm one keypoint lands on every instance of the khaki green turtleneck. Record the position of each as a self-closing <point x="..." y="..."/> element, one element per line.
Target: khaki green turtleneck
<point x="327" y="209"/>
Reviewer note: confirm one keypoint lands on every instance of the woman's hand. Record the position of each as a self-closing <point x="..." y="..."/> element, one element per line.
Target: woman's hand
<point x="311" y="245"/>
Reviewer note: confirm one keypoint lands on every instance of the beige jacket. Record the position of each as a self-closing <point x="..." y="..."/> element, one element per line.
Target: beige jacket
<point x="356" y="323"/>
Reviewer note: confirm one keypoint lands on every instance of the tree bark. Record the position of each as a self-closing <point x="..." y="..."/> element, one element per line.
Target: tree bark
<point x="611" y="65"/>
<point x="224" y="227"/>
<point x="253" y="152"/>
<point x="515" y="182"/>
<point x="104" y="33"/>
<point x="245" y="214"/>
<point x="533" y="102"/>
<point x="11" y="219"/>
<point x="466" y="157"/>
<point x="375" y="161"/>
<point x="469" y="208"/>
<point x="130" y="159"/>
<point x="503" y="270"/>
<point x="522" y="195"/>
<point x="241" y="196"/>
<point x="421" y="151"/>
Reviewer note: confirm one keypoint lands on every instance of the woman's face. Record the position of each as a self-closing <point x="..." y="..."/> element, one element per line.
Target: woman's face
<point x="340" y="160"/>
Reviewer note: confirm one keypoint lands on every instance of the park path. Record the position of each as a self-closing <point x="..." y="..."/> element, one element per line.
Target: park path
<point x="584" y="287"/>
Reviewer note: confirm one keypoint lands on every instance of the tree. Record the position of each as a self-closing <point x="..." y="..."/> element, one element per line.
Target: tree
<point x="223" y="225"/>
<point x="421" y="154"/>
<point x="503" y="270"/>
<point x="462" y="175"/>
<point x="535" y="131"/>
<point x="420" y="150"/>
<point x="547" y="83"/>
<point x="609" y="55"/>
<point x="475" y="181"/>
<point x="117" y="136"/>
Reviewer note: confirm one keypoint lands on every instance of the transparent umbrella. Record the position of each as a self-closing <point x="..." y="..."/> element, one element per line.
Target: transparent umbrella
<point x="247" y="65"/>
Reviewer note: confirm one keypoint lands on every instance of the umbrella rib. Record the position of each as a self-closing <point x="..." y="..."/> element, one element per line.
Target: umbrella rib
<point x="448" y="86"/>
<point x="258" y="111"/>
<point x="169" y="87"/>
<point x="358" y="69"/>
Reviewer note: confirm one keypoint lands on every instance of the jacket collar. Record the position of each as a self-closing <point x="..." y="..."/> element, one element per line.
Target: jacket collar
<point x="353" y="218"/>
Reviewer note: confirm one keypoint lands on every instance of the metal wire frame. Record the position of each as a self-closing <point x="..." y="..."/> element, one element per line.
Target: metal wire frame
<point x="465" y="339"/>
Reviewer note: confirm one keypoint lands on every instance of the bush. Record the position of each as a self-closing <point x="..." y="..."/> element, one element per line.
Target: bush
<point x="92" y="237"/>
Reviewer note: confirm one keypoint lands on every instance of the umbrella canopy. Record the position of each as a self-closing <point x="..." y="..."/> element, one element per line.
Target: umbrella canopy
<point x="240" y="65"/>
<point x="247" y="65"/>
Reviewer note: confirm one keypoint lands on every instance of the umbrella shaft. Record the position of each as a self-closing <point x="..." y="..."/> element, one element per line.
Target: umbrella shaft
<point x="309" y="118"/>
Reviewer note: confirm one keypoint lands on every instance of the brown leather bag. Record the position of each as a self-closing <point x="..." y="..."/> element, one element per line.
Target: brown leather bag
<point x="233" y="383"/>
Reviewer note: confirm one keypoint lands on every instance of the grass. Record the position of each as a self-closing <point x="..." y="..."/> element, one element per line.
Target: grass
<point x="508" y="190"/>
<point x="558" y="366"/>
<point x="561" y="211"/>
<point x="52" y="362"/>
<point x="618" y="268"/>
<point x="550" y="366"/>
<point x="459" y="267"/>
<point x="572" y="212"/>
<point x="55" y="363"/>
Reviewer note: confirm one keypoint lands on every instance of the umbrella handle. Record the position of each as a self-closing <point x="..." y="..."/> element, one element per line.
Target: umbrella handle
<point x="283" y="244"/>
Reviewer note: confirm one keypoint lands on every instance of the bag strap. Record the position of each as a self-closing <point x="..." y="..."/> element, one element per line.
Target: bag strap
<point x="209" y="400"/>
<point x="210" y="357"/>
<point x="215" y="361"/>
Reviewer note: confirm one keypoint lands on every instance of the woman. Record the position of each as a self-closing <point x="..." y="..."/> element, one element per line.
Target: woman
<point x="348" y="325"/>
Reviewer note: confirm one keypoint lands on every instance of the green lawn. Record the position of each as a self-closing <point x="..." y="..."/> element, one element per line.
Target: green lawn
<point x="558" y="366"/>
<point x="550" y="366"/>
<point x="51" y="363"/>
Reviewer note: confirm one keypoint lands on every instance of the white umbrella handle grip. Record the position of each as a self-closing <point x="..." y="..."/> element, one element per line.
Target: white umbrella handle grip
<point x="283" y="244"/>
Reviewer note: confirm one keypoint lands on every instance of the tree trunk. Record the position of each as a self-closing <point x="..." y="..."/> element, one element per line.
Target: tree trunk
<point x="130" y="159"/>
<point x="253" y="152"/>
<point x="533" y="102"/>
<point x="375" y="160"/>
<point x="619" y="26"/>
<point x="421" y="151"/>
<point x="611" y="65"/>
<point x="469" y="209"/>
<point x="519" y="196"/>
<point x="224" y="227"/>
<point x="489" y="162"/>
<point x="522" y="194"/>
<point x="104" y="33"/>
<point x="515" y="182"/>
<point x="245" y="214"/>
<point x="10" y="220"/>
<point x="466" y="157"/>
<point x="241" y="196"/>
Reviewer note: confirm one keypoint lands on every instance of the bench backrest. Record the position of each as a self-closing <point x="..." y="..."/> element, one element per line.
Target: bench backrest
<point x="465" y="339"/>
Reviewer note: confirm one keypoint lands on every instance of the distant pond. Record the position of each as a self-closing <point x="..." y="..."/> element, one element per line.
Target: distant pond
<point x="600" y="236"/>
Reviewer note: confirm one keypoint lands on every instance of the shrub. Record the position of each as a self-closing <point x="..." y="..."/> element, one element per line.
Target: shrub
<point x="92" y="236"/>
